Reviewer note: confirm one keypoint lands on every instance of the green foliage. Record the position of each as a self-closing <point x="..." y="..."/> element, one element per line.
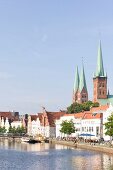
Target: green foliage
<point x="67" y="127"/>
<point x="17" y="131"/>
<point x="76" y="107"/>
<point x="109" y="126"/>
<point x="2" y="130"/>
<point x="96" y="104"/>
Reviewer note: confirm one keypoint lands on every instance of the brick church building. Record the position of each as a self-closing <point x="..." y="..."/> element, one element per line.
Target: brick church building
<point x="100" y="91"/>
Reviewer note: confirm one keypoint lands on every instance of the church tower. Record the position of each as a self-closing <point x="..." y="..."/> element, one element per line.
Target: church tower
<point x="80" y="94"/>
<point x="99" y="79"/>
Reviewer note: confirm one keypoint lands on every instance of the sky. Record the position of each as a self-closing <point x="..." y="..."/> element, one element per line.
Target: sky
<point x="42" y="42"/>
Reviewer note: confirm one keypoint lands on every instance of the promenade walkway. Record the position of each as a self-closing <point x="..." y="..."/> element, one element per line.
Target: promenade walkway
<point x="105" y="147"/>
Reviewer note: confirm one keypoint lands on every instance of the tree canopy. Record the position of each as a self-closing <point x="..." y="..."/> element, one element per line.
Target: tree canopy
<point x="3" y="130"/>
<point x="17" y="131"/>
<point x="67" y="127"/>
<point x="109" y="126"/>
<point x="76" y="107"/>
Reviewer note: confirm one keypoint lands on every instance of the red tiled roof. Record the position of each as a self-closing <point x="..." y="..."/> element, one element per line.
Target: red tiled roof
<point x="34" y="117"/>
<point x="79" y="115"/>
<point x="52" y="116"/>
<point x="103" y="107"/>
<point x="87" y="115"/>
<point x="6" y="114"/>
<point x="69" y="114"/>
<point x="91" y="116"/>
<point x="40" y="116"/>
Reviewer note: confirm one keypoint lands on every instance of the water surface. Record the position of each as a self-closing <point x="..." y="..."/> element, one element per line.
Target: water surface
<point x="24" y="156"/>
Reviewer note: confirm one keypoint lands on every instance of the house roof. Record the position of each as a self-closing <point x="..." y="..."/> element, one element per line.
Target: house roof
<point x="69" y="114"/>
<point x="92" y="116"/>
<point x="100" y="108"/>
<point x="52" y="116"/>
<point x="34" y="117"/>
<point x="6" y="114"/>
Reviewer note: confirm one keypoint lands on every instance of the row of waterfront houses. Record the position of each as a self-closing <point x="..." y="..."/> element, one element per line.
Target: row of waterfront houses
<point x="88" y="122"/>
<point x="48" y="124"/>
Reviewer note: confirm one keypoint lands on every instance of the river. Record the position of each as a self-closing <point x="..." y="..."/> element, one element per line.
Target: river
<point x="24" y="156"/>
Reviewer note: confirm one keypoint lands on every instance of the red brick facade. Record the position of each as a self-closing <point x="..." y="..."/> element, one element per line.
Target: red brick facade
<point x="99" y="88"/>
<point x="80" y="97"/>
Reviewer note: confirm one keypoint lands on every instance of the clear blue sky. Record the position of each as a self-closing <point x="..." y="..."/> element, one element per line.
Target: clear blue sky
<point x="42" y="42"/>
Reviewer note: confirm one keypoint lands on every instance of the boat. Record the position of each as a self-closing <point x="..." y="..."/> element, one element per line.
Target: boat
<point x="25" y="139"/>
<point x="46" y="140"/>
<point x="32" y="141"/>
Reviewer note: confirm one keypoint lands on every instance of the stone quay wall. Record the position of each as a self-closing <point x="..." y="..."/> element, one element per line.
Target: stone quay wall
<point x="87" y="146"/>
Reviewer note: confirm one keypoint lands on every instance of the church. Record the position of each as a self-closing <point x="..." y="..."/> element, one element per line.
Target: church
<point x="100" y="90"/>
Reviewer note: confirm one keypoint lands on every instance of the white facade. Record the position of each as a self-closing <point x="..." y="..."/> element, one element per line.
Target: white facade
<point x="47" y="131"/>
<point x="91" y="127"/>
<point x="7" y="125"/>
<point x="16" y="124"/>
<point x="83" y="126"/>
<point x="34" y="127"/>
<point x="68" y="118"/>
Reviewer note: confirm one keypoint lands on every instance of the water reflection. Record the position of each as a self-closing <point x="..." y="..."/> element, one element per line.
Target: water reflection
<point x="50" y="157"/>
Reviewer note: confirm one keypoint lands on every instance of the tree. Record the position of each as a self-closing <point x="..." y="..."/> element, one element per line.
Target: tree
<point x="12" y="130"/>
<point x="77" y="108"/>
<point x="67" y="127"/>
<point x="109" y="126"/>
<point x="3" y="130"/>
<point x="20" y="130"/>
<point x="17" y="131"/>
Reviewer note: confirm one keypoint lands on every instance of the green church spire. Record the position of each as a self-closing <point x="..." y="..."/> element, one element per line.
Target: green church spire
<point x="82" y="80"/>
<point x="100" y="67"/>
<point x="76" y="82"/>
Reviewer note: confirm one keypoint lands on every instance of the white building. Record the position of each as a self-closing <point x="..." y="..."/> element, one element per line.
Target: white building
<point x="16" y="124"/>
<point x="58" y="122"/>
<point x="87" y="123"/>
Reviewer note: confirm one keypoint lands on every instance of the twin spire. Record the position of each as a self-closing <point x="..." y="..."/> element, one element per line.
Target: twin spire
<point x="80" y="83"/>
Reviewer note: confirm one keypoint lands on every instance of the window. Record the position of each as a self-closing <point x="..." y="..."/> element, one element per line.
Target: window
<point x="89" y="129"/>
<point x="100" y="85"/>
<point x="97" y="131"/>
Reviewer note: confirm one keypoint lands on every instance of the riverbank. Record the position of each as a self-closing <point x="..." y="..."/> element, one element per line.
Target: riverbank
<point x="10" y="138"/>
<point x="87" y="146"/>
